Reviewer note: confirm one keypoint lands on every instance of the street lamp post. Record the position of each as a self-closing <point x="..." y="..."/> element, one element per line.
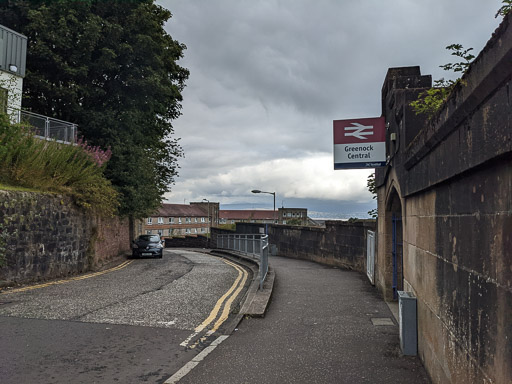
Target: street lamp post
<point x="270" y="193"/>
<point x="209" y="224"/>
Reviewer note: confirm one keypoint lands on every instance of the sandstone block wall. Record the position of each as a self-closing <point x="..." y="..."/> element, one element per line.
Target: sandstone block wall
<point x="450" y="180"/>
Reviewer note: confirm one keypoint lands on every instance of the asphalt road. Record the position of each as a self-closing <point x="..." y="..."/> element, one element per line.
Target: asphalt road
<point x="324" y="325"/>
<point x="138" y="323"/>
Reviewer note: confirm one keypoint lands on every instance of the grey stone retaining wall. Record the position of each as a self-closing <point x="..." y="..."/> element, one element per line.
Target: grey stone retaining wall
<point x="339" y="244"/>
<point x="47" y="236"/>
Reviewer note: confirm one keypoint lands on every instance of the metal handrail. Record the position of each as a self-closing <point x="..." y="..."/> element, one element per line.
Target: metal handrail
<point x="255" y="246"/>
<point x="45" y="127"/>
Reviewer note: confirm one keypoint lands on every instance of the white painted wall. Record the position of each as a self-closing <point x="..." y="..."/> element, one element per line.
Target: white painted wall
<point x="14" y="86"/>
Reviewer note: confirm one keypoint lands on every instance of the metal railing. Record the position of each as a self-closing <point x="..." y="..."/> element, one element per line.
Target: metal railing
<point x="255" y="246"/>
<point x="45" y="127"/>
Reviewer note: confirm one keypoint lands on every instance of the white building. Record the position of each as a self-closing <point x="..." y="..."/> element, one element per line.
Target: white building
<point x="13" y="55"/>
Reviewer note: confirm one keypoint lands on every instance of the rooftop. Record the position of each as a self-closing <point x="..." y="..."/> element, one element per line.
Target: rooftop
<point x="180" y="210"/>
<point x="247" y="214"/>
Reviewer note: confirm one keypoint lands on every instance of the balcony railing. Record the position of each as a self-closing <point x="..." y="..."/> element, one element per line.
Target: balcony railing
<point x="45" y="127"/>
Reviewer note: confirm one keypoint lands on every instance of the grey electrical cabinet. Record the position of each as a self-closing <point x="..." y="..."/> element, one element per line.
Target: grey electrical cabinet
<point x="408" y="323"/>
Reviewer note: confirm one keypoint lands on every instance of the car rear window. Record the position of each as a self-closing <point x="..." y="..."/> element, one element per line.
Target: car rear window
<point x="154" y="238"/>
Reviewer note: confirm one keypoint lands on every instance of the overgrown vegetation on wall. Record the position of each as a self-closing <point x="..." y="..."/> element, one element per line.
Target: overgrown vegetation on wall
<point x="231" y="227"/>
<point x="49" y="166"/>
<point x="431" y="101"/>
<point x="505" y="9"/>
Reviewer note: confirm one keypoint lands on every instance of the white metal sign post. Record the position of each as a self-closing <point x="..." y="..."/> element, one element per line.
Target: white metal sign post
<point x="359" y="143"/>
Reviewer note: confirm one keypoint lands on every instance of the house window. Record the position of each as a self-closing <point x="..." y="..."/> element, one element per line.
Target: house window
<point x="187" y="230"/>
<point x="203" y="230"/>
<point x="161" y="232"/>
<point x="195" y="230"/>
<point x="232" y="221"/>
<point x="148" y="232"/>
<point x="188" y="220"/>
<point x="179" y="220"/>
<point x="171" y="220"/>
<point x="203" y="220"/>
<point x="195" y="219"/>
<point x="150" y="220"/>
<point x="284" y="221"/>
<point x="160" y="220"/>
<point x="170" y="232"/>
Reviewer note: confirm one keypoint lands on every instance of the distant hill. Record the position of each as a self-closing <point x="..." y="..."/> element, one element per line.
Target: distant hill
<point x="317" y="209"/>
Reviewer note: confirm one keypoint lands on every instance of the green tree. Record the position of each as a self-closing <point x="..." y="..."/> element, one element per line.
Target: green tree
<point x="110" y="67"/>
<point x="430" y="101"/>
<point x="505" y="8"/>
<point x="372" y="188"/>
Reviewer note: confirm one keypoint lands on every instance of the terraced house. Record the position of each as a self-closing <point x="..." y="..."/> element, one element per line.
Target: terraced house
<point x="182" y="219"/>
<point x="290" y="216"/>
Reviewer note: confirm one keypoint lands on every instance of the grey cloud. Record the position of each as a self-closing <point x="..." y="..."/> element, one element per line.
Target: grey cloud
<point x="268" y="77"/>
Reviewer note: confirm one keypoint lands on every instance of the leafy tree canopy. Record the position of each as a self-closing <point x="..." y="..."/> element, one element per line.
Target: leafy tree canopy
<point x="110" y="67"/>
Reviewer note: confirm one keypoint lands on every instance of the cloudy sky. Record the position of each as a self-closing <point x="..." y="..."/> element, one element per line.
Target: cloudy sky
<point x="267" y="78"/>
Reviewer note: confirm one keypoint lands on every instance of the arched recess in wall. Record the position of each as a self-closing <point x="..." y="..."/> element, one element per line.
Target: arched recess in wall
<point x="394" y="232"/>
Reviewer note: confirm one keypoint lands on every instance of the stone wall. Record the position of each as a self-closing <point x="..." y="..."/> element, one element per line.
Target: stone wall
<point x="47" y="236"/>
<point x="340" y="244"/>
<point x="449" y="179"/>
<point x="187" y="242"/>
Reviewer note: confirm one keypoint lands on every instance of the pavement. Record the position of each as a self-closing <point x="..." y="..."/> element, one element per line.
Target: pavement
<point x="321" y="325"/>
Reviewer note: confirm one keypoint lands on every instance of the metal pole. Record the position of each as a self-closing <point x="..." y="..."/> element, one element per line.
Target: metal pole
<point x="209" y="224"/>
<point x="270" y="193"/>
<point x="46" y="128"/>
<point x="274" y="207"/>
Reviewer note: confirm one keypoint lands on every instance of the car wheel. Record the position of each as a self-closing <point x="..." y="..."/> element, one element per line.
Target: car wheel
<point x="160" y="255"/>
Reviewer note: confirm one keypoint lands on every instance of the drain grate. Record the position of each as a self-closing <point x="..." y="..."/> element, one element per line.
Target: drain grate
<point x="382" y="321"/>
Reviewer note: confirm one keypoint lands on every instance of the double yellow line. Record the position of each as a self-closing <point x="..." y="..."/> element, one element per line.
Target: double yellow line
<point x="226" y="300"/>
<point x="88" y="276"/>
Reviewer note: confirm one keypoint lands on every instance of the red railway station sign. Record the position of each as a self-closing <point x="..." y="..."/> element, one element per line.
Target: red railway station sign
<point x="359" y="143"/>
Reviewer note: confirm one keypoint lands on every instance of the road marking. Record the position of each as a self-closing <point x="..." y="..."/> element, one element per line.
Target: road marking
<point x="195" y="361"/>
<point x="88" y="276"/>
<point x="215" y="310"/>
<point x="242" y="276"/>
<point x="227" y="306"/>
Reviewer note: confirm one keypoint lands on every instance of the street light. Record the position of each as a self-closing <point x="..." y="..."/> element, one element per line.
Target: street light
<point x="209" y="225"/>
<point x="270" y="193"/>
